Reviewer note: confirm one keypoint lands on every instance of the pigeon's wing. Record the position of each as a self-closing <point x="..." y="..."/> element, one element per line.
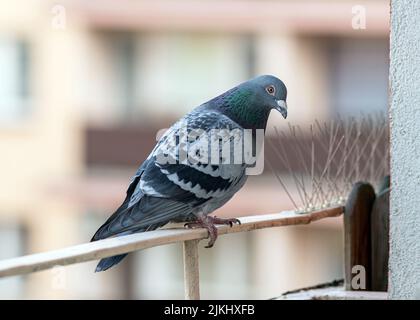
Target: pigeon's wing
<point x="141" y="211"/>
<point x="147" y="214"/>
<point x="197" y="176"/>
<point x="162" y="191"/>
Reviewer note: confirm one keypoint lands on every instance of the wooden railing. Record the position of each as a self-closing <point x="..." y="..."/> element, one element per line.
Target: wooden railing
<point x="175" y="233"/>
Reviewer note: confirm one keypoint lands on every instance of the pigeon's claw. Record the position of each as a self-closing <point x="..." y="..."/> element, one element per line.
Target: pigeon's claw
<point x="230" y="221"/>
<point x="212" y="230"/>
<point x="207" y="224"/>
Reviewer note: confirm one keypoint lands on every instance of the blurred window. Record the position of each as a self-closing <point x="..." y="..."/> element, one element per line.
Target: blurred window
<point x="14" y="82"/>
<point x="142" y="76"/>
<point x="176" y="72"/>
<point x="359" y="76"/>
<point x="125" y="65"/>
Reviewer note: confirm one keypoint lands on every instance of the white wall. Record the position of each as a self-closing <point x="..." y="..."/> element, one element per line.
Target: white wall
<point x="404" y="261"/>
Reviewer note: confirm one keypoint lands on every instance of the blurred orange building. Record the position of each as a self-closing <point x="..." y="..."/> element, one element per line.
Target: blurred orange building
<point x="86" y="85"/>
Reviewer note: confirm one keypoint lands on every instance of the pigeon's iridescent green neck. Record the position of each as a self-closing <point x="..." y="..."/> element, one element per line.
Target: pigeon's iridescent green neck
<point x="241" y="105"/>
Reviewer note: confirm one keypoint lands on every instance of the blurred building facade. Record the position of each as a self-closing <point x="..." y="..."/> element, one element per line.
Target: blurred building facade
<point x="84" y="88"/>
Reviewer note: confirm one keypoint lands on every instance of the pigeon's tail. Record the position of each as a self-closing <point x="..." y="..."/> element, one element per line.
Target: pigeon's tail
<point x="147" y="214"/>
<point x="107" y="263"/>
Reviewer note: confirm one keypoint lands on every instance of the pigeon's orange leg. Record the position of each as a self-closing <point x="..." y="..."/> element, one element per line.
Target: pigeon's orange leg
<point x="208" y="223"/>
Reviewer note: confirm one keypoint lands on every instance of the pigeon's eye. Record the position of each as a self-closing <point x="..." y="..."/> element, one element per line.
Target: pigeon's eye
<point x="271" y="90"/>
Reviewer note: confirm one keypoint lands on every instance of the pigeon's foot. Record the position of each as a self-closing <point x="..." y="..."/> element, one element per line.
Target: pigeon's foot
<point x="204" y="222"/>
<point x="230" y="221"/>
<point x="209" y="223"/>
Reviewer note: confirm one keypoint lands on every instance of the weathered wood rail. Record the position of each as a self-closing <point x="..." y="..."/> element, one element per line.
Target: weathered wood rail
<point x="172" y="234"/>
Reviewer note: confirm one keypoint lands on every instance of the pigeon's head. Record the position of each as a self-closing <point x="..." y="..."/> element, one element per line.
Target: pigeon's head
<point x="271" y="93"/>
<point x="250" y="103"/>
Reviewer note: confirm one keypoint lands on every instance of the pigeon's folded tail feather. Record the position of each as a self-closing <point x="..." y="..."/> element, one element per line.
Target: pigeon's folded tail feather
<point x="107" y="263"/>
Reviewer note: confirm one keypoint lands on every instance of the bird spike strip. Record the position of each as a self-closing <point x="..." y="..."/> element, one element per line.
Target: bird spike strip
<point x="332" y="156"/>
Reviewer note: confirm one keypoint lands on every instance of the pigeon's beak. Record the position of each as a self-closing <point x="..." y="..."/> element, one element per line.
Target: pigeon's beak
<point x="282" y="108"/>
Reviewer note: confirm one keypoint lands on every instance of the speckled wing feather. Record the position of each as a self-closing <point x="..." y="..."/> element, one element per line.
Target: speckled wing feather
<point x="161" y="192"/>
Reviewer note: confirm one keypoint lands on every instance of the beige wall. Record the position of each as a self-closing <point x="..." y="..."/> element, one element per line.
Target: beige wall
<point x="43" y="147"/>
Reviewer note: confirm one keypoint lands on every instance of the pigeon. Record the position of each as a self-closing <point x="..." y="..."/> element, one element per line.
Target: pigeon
<point x="170" y="188"/>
